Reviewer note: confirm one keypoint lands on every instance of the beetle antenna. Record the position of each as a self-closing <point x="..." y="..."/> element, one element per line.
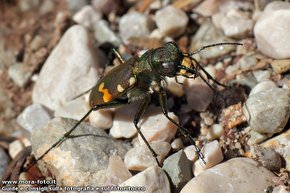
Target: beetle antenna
<point x="79" y="95"/>
<point x="214" y="45"/>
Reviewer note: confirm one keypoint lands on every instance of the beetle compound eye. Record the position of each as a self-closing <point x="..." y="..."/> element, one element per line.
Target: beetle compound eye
<point x="168" y="69"/>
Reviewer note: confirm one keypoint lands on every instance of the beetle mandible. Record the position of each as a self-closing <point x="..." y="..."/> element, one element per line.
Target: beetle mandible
<point x="140" y="77"/>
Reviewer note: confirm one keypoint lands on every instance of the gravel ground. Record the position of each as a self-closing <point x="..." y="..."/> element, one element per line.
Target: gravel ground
<point x="52" y="52"/>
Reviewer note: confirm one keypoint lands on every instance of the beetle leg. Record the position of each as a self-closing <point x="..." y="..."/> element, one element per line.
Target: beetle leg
<point x="140" y="112"/>
<point x="184" y="131"/>
<point x="118" y="55"/>
<point x="67" y="134"/>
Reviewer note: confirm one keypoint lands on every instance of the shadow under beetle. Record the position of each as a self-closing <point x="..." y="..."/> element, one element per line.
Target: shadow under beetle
<point x="138" y="78"/>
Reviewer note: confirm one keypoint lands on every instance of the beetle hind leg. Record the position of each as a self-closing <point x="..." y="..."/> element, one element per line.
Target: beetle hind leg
<point x="184" y="131"/>
<point x="140" y="112"/>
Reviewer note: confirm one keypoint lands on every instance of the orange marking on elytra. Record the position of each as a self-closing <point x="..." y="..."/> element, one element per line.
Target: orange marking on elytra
<point x="107" y="96"/>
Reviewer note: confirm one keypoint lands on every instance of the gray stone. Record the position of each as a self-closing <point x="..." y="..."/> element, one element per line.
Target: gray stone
<point x="34" y="117"/>
<point x="134" y="24"/>
<point x="262" y="86"/>
<point x="178" y="167"/>
<point x="281" y="145"/>
<point x="80" y="160"/>
<point x="70" y="69"/>
<point x="208" y="34"/>
<point x="267" y="112"/>
<point x="19" y="76"/>
<point x="238" y="175"/>
<point x="262" y="75"/>
<point x="104" y="34"/>
<point x="267" y="157"/>
<point x="271" y="26"/>
<point x="5" y="160"/>
<point x="75" y="5"/>
<point x="171" y="21"/>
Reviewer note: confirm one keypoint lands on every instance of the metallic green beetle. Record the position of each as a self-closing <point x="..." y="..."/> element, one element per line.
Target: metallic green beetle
<point x="138" y="78"/>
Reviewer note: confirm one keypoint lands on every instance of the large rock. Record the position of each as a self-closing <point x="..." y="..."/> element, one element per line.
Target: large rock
<point x="267" y="111"/>
<point x="272" y="30"/>
<point x="238" y="175"/>
<point x="69" y="70"/>
<point x="78" y="161"/>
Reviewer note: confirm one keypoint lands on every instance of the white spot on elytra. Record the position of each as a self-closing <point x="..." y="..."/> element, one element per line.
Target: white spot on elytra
<point x="120" y="88"/>
<point x="132" y="81"/>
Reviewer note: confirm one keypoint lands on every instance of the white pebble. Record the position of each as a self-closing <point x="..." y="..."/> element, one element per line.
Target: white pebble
<point x="158" y="127"/>
<point x="217" y="130"/>
<point x="140" y="158"/>
<point x="272" y="30"/>
<point x="117" y="172"/>
<point x="87" y="17"/>
<point x="152" y="180"/>
<point x="190" y="153"/>
<point x="171" y="21"/>
<point x="177" y="144"/>
<point x="261" y="75"/>
<point x="262" y="86"/>
<point x="102" y="118"/>
<point x="212" y="156"/>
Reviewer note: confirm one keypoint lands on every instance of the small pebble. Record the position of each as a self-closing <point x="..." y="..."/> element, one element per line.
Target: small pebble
<point x="280" y="66"/>
<point x="78" y="161"/>
<point x="261" y="75"/>
<point x="247" y="62"/>
<point x="102" y="118"/>
<point x="198" y="94"/>
<point x="263" y="86"/>
<point x="46" y="7"/>
<point x="15" y="147"/>
<point x="34" y="117"/>
<point x="19" y="76"/>
<point x="28" y="5"/>
<point x="217" y="130"/>
<point x="281" y="145"/>
<point x="236" y="24"/>
<point x="270" y="27"/>
<point x="5" y="160"/>
<point x="76" y="5"/>
<point x="178" y="167"/>
<point x="151" y="180"/>
<point x="87" y="17"/>
<point x="208" y="7"/>
<point x="246" y="79"/>
<point x="134" y="24"/>
<point x="267" y="157"/>
<point x="117" y="172"/>
<point x="171" y="21"/>
<point x="103" y="34"/>
<point x="238" y="175"/>
<point x="157" y="127"/>
<point x="256" y="137"/>
<point x="177" y="144"/>
<point x="212" y="156"/>
<point x="190" y="153"/>
<point x="140" y="158"/>
<point x="123" y="126"/>
<point x="71" y="60"/>
<point x="106" y="6"/>
<point x="268" y="111"/>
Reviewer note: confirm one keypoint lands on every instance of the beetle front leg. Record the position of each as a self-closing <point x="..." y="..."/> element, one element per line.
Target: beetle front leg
<point x="184" y="131"/>
<point x="140" y="112"/>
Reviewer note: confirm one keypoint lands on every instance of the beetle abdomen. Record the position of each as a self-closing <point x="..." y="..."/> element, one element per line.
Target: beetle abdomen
<point x="114" y="84"/>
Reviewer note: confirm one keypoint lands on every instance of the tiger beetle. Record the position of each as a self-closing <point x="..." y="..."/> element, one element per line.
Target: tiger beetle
<point x="137" y="78"/>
